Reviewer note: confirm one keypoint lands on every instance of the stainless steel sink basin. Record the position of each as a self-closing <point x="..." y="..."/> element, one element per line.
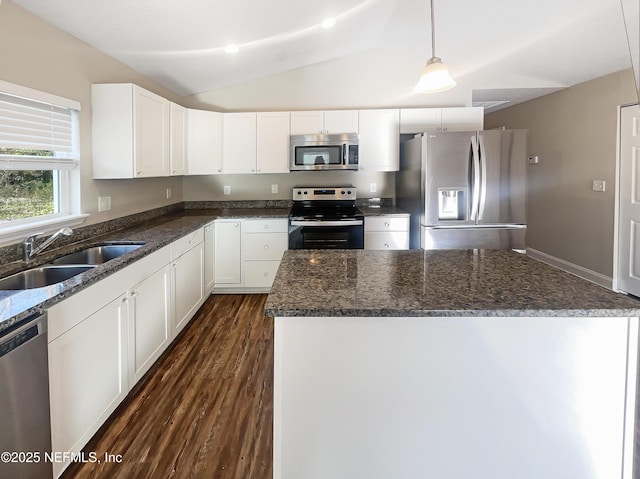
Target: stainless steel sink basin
<point x="40" y="277"/>
<point x="97" y="254"/>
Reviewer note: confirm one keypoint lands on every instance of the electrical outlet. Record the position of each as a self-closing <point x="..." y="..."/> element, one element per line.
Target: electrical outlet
<point x="168" y="193"/>
<point x="227" y="190"/>
<point x="598" y="185"/>
<point x="104" y="203"/>
<point x="274" y="189"/>
<point x="373" y="187"/>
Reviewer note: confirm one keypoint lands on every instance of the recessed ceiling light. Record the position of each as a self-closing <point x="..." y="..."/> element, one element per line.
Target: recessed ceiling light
<point x="231" y="49"/>
<point x="328" y="23"/>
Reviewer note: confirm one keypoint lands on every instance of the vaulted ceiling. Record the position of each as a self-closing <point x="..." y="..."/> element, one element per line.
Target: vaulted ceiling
<point x="497" y="50"/>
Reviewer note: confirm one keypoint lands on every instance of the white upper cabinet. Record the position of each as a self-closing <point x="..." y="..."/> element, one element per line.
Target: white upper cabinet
<point x="314" y="122"/>
<point x="178" y="148"/>
<point x="379" y="140"/>
<point x="130" y="128"/>
<point x="238" y="142"/>
<point x="273" y="142"/>
<point x="417" y="120"/>
<point x="204" y="142"/>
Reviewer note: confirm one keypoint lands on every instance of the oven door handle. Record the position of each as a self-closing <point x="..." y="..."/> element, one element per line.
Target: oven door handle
<point x="326" y="223"/>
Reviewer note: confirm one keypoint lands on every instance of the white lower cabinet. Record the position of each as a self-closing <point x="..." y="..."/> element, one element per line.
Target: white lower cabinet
<point x="228" y="267"/>
<point x="188" y="285"/>
<point x="87" y="376"/>
<point x="103" y="339"/>
<point x="264" y="241"/>
<point x="386" y="232"/>
<point x="149" y="322"/>
<point x="209" y="258"/>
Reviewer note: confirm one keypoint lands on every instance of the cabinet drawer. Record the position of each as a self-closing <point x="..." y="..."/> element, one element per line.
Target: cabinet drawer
<point x="277" y="225"/>
<point x="383" y="240"/>
<point x="386" y="223"/>
<point x="260" y="274"/>
<point x="184" y="244"/>
<point x="269" y="246"/>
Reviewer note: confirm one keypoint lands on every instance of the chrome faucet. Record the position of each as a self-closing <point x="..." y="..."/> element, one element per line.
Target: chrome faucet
<point x="30" y="251"/>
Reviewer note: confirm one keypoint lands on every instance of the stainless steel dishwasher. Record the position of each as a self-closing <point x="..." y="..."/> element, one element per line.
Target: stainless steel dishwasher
<point x="25" y="440"/>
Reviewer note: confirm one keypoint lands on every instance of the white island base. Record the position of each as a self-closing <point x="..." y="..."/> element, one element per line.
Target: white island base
<point x="454" y="397"/>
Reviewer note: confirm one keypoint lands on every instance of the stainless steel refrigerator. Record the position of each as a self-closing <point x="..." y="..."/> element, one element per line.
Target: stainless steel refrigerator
<point x="465" y="189"/>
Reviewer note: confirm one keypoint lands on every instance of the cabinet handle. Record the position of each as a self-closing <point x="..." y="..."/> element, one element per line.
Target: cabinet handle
<point x="139" y="173"/>
<point x="219" y="170"/>
<point x="266" y="246"/>
<point x="266" y="226"/>
<point x="387" y="225"/>
<point x="236" y="225"/>
<point x="266" y="274"/>
<point x="386" y="245"/>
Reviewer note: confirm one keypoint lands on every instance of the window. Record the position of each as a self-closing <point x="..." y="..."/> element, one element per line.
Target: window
<point x="38" y="154"/>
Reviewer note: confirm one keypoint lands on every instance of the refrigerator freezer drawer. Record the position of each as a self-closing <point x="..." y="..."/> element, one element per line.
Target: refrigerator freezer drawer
<point x="500" y="237"/>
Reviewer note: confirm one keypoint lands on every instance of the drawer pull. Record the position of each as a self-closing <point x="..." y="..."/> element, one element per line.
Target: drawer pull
<point x="266" y="226"/>
<point x="266" y="274"/>
<point x="386" y="224"/>
<point x="386" y="245"/>
<point x="266" y="246"/>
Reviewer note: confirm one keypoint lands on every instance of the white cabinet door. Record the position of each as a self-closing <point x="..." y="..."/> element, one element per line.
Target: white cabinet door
<point x="341" y="121"/>
<point x="130" y="132"/>
<point x="386" y="232"/>
<point x="188" y="286"/>
<point x="379" y="148"/>
<point x="209" y="258"/>
<point x="227" y="249"/>
<point x="178" y="148"/>
<point x="151" y="133"/>
<point x="315" y="122"/>
<point x="462" y="119"/>
<point x="149" y="322"/>
<point x="307" y="122"/>
<point x="239" y="142"/>
<point x="273" y="142"/>
<point x="204" y="142"/>
<point x="417" y="120"/>
<point x="87" y="377"/>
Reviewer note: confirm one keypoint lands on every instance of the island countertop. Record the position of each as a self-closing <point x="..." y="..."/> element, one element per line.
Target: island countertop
<point x="328" y="283"/>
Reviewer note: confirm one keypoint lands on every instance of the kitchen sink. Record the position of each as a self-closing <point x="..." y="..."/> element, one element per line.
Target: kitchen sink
<point x="41" y="277"/>
<point x="97" y="254"/>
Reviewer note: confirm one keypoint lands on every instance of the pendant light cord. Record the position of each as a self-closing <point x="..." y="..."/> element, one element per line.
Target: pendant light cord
<point x="433" y="32"/>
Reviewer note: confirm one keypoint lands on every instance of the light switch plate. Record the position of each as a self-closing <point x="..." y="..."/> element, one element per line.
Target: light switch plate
<point x="274" y="188"/>
<point x="598" y="185"/>
<point x="227" y="190"/>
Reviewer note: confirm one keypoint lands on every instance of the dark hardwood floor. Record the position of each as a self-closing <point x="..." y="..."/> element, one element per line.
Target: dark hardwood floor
<point x="205" y="408"/>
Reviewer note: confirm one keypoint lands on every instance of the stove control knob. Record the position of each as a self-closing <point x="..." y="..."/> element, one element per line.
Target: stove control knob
<point x="342" y="192"/>
<point x="299" y="192"/>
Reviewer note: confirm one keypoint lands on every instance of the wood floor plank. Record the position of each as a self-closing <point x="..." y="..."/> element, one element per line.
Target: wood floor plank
<point x="205" y="408"/>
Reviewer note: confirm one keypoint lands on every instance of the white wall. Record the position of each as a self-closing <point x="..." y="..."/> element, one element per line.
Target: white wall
<point x="38" y="55"/>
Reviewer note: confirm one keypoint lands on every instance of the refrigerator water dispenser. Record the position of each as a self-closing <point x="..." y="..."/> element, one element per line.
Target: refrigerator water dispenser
<point x="451" y="204"/>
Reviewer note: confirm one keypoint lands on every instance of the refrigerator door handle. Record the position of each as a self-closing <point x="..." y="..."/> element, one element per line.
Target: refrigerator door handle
<point x="483" y="177"/>
<point x="475" y="180"/>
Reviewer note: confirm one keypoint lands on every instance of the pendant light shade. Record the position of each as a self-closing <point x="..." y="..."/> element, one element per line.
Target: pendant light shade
<point x="434" y="76"/>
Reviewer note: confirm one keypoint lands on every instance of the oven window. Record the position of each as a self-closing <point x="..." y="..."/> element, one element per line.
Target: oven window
<point x="318" y="155"/>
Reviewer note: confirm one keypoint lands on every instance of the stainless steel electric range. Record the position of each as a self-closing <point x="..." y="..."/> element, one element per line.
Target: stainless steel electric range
<point x="325" y="218"/>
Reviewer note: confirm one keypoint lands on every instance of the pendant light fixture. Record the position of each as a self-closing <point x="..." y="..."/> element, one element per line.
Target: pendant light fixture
<point x="434" y="76"/>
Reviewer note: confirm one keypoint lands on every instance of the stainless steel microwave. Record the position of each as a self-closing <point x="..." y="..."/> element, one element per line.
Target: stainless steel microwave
<point x="324" y="152"/>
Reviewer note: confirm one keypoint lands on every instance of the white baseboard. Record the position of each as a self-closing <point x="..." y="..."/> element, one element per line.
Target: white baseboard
<point x="579" y="271"/>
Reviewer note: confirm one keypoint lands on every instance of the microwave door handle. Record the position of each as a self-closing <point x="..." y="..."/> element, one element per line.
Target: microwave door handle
<point x="344" y="154"/>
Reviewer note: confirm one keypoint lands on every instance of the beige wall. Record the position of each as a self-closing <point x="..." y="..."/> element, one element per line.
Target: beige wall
<point x="35" y="54"/>
<point x="573" y="132"/>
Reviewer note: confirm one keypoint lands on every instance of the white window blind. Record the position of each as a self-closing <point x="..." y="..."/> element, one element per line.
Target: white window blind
<point x="36" y="127"/>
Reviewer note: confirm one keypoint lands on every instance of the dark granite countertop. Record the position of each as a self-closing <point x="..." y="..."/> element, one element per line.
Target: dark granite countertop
<point x="156" y="233"/>
<point x="382" y="210"/>
<point x="365" y="283"/>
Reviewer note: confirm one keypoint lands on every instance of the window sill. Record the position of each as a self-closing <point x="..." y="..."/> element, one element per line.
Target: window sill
<point x="13" y="233"/>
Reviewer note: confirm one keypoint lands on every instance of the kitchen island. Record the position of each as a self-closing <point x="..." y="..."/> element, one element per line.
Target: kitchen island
<point x="448" y="365"/>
